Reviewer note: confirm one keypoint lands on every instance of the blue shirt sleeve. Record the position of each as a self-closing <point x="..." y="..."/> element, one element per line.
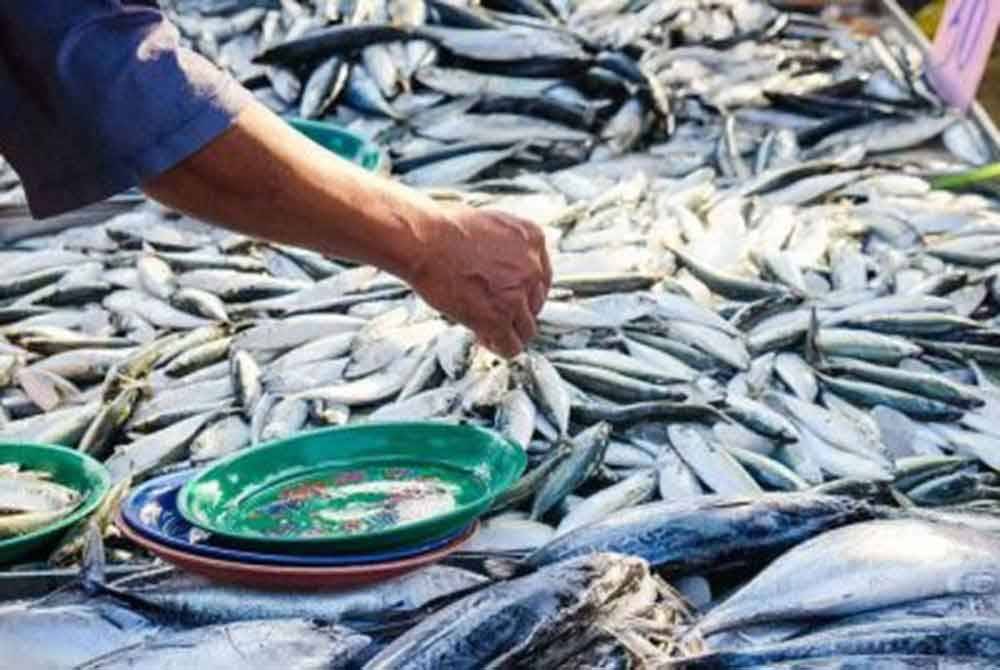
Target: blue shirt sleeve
<point x="97" y="96"/>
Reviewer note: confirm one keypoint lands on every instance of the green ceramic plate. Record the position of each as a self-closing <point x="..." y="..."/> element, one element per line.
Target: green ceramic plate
<point x="349" y="146"/>
<point x="356" y="488"/>
<point x="68" y="467"/>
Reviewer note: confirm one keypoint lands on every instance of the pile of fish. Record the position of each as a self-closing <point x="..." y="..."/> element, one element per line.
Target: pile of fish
<point x="838" y="595"/>
<point x="699" y="339"/>
<point x="719" y="379"/>
<point x="765" y="372"/>
<point x="567" y="614"/>
<point x="29" y="500"/>
<point x="459" y="91"/>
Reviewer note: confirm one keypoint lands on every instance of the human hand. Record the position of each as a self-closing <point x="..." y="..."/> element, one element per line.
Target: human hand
<point x="487" y="270"/>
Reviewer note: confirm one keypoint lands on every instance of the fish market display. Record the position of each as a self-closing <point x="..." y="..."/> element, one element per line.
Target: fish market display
<point x="766" y="371"/>
<point x="724" y="345"/>
<point x="951" y="561"/>
<point x="465" y="91"/>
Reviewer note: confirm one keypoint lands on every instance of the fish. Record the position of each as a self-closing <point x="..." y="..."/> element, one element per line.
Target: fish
<point x="246" y="379"/>
<point x="194" y="601"/>
<point x="934" y="560"/>
<point x="537" y="610"/>
<point x="200" y="303"/>
<point x="549" y="392"/>
<point x="62" y="426"/>
<point x="768" y="472"/>
<point x="223" y="437"/>
<point x="305" y="376"/>
<point x="198" y="357"/>
<point x="31" y="491"/>
<point x="713" y="465"/>
<point x="488" y="382"/>
<point x="377" y="386"/>
<point x="323" y="87"/>
<point x="952" y="639"/>
<point x="530" y="483"/>
<point x="83" y="365"/>
<point x="760" y="418"/>
<point x="425" y="405"/>
<point x="109" y="420"/>
<point x="85" y="631"/>
<point x="587" y="452"/>
<point x="155" y="311"/>
<point x="259" y="643"/>
<point x="634" y="490"/>
<point x="331" y="347"/>
<point x="168" y="445"/>
<point x="76" y="544"/>
<point x="341" y="38"/>
<point x="156" y="277"/>
<point x="616" y="386"/>
<point x="690" y="535"/>
<point x="502" y="534"/>
<point x="515" y="417"/>
<point x="294" y="331"/>
<point x="284" y="419"/>
<point x="24" y="523"/>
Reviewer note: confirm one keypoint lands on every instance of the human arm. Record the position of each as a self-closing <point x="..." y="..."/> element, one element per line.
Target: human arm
<point x="487" y="270"/>
<point x="99" y="97"/>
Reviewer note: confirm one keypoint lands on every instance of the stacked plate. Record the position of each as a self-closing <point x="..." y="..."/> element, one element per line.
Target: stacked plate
<point x="334" y="508"/>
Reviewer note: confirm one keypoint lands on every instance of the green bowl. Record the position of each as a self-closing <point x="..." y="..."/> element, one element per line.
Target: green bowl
<point x="349" y="146"/>
<point x="355" y="488"/>
<point x="67" y="467"/>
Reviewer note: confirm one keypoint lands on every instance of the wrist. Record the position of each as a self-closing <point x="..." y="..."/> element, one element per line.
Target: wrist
<point x="423" y="230"/>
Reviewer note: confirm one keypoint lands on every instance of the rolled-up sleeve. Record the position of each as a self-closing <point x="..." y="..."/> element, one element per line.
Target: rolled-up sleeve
<point x="97" y="97"/>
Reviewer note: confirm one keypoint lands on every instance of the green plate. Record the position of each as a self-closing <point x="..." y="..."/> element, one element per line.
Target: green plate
<point x="349" y="146"/>
<point x="354" y="488"/>
<point x="69" y="468"/>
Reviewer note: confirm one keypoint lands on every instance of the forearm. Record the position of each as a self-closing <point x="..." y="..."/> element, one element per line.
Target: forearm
<point x="263" y="178"/>
<point x="487" y="270"/>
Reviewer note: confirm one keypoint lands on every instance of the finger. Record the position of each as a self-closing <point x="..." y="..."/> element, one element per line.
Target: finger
<point x="493" y="327"/>
<point x="546" y="267"/>
<point x="536" y="298"/>
<point x="524" y="320"/>
<point x="504" y="341"/>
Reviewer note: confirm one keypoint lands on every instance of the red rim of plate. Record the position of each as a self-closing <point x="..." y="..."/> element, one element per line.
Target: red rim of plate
<point x="291" y="576"/>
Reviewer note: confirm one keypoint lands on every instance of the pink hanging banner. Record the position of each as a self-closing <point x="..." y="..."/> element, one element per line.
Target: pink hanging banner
<point x="962" y="47"/>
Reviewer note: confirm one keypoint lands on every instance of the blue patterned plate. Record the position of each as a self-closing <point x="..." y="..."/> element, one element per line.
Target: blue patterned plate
<point x="151" y="511"/>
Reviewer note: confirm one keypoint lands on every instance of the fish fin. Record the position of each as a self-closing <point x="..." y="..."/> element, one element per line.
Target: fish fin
<point x="92" y="570"/>
<point x="397" y="623"/>
<point x="900" y="498"/>
<point x="812" y="353"/>
<point x="46" y="390"/>
<point x="504" y="568"/>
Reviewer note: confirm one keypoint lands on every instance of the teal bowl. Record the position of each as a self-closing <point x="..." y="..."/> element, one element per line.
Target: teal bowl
<point x="362" y="488"/>
<point x="349" y="146"/>
<point x="68" y="467"/>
